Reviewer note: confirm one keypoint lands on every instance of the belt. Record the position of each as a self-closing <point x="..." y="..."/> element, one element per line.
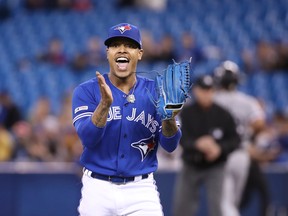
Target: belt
<point x="116" y="179"/>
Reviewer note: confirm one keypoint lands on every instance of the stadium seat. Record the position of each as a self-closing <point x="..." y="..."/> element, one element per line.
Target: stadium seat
<point x="230" y="25"/>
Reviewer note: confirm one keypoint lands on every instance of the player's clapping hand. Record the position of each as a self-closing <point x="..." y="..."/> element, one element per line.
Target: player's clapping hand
<point x="106" y="94"/>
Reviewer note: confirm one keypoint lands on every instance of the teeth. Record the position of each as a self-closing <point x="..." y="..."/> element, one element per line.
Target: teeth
<point x="122" y="59"/>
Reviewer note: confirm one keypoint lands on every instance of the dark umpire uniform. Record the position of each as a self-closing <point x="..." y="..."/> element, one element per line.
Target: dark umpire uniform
<point x="208" y="137"/>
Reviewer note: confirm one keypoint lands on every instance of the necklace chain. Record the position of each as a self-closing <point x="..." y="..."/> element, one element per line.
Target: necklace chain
<point x="131" y="97"/>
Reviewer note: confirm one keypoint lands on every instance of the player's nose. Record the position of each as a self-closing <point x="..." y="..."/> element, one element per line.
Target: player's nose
<point x="122" y="48"/>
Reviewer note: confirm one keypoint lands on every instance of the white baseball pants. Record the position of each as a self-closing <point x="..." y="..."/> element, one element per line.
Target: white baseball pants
<point x="237" y="168"/>
<point x="103" y="198"/>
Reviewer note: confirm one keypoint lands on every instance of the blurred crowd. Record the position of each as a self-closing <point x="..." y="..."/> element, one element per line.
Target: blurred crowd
<point x="41" y="136"/>
<point x="78" y="5"/>
<point x="93" y="54"/>
<point x="264" y="55"/>
<point x="267" y="56"/>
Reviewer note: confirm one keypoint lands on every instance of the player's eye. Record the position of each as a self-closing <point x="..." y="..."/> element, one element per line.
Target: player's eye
<point x="114" y="45"/>
<point x="131" y="45"/>
<point x="125" y="44"/>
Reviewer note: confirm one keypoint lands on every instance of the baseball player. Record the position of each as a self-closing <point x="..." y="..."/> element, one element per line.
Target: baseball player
<point x="120" y="131"/>
<point x="250" y="119"/>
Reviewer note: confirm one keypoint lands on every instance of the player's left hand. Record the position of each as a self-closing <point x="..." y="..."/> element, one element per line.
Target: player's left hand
<point x="169" y="127"/>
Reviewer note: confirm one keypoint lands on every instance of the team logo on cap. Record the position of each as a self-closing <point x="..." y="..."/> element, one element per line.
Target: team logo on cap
<point x="124" y="28"/>
<point x="145" y="146"/>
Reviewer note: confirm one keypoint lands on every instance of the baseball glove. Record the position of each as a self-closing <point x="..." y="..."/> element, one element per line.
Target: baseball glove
<point x="172" y="88"/>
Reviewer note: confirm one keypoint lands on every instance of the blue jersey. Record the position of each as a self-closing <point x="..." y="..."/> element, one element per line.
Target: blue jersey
<point x="127" y="144"/>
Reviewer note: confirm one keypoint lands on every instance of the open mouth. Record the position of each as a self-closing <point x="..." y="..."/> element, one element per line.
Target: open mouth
<point x="122" y="63"/>
<point x="122" y="60"/>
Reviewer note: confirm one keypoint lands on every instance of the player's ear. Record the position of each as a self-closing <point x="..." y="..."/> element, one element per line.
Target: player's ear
<point x="140" y="54"/>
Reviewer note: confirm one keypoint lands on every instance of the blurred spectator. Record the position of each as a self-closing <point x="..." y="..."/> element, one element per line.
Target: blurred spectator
<point x="278" y="138"/>
<point x="165" y="49"/>
<point x="82" y="5"/>
<point x="34" y="4"/>
<point x="58" y="4"/>
<point x="208" y="137"/>
<point x="54" y="54"/>
<point x="68" y="139"/>
<point x="267" y="56"/>
<point x="149" y="46"/>
<point x="6" y="144"/>
<point x="45" y="137"/>
<point x="5" y="11"/>
<point x="79" y="63"/>
<point x="92" y="57"/>
<point x="126" y="3"/>
<point x="48" y="4"/>
<point x="9" y="111"/>
<point x="40" y="111"/>
<point x="27" y="146"/>
<point x="94" y="52"/>
<point x="62" y="4"/>
<point x="189" y="48"/>
<point x="45" y="127"/>
<point x="281" y="125"/>
<point x="282" y="50"/>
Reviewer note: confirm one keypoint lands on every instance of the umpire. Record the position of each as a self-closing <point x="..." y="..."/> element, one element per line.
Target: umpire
<point x="208" y="137"/>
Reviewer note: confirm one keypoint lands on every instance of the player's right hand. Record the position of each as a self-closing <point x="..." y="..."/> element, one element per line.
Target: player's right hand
<point x="106" y="94"/>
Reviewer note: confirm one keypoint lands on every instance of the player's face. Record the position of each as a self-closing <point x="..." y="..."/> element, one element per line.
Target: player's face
<point x="123" y="55"/>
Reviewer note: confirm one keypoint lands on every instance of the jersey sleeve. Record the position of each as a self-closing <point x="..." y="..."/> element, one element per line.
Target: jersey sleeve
<point x="170" y="143"/>
<point x="83" y="106"/>
<point x="256" y="111"/>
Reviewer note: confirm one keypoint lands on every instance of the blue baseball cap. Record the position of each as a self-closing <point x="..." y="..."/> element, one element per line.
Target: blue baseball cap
<point x="125" y="30"/>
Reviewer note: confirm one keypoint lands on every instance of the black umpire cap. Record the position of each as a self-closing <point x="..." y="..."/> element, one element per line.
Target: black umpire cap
<point x="204" y="82"/>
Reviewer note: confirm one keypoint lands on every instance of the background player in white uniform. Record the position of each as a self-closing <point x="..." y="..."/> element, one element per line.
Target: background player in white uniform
<point x="250" y="118"/>
<point x="120" y="131"/>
